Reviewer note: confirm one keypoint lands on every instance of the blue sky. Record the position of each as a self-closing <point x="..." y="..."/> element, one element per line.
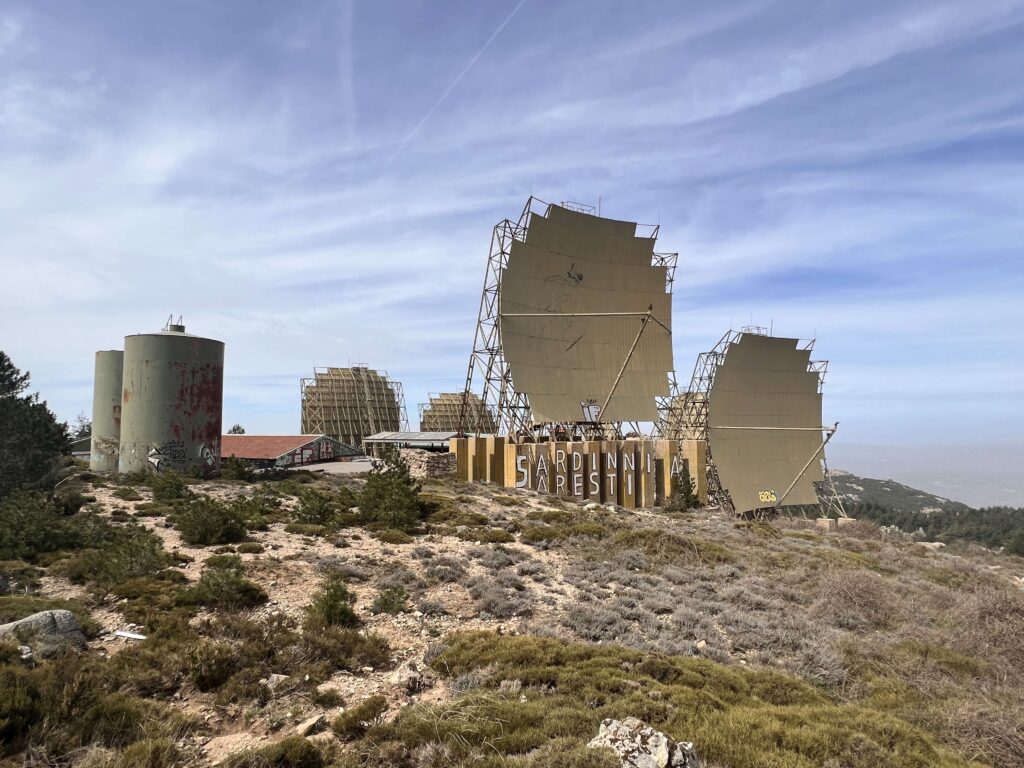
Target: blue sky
<point x="315" y="184"/>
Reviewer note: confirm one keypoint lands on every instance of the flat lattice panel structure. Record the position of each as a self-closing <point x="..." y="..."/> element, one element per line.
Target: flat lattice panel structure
<point x="570" y="264"/>
<point x="443" y="412"/>
<point x="351" y="403"/>
<point x="764" y="422"/>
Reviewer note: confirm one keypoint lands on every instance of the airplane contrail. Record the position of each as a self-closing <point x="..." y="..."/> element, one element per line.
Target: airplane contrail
<point x="458" y="79"/>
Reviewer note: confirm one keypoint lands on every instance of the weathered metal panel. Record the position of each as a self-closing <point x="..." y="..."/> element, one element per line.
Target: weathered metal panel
<point x="106" y="411"/>
<point x="172" y="399"/>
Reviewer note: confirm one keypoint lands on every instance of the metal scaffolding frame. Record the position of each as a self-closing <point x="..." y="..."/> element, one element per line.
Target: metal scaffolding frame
<point x="687" y="418"/>
<point x="352" y="403"/>
<point x="503" y="409"/>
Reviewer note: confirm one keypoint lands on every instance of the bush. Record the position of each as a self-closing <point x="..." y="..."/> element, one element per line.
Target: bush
<point x="391" y="496"/>
<point x="168" y="486"/>
<point x="115" y="720"/>
<point x="148" y="753"/>
<point x="31" y="525"/>
<point x="486" y="535"/>
<point x="225" y="588"/>
<point x="210" y="664"/>
<point x="684" y="497"/>
<point x="445" y="569"/>
<point x="250" y="548"/>
<point x="741" y="718"/>
<point x="229" y="561"/>
<point x="356" y="721"/>
<point x="20" y="707"/>
<point x="235" y="468"/>
<point x="393" y="536"/>
<point x="332" y="605"/>
<point x="344" y="648"/>
<point x="206" y="521"/>
<point x="289" y="752"/>
<point x="307" y="529"/>
<point x="129" y="552"/>
<point x="316" y="507"/>
<point x="391" y="600"/>
<point x="127" y="493"/>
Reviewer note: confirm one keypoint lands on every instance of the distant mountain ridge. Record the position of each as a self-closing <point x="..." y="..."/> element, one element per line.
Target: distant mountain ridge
<point x="854" y="489"/>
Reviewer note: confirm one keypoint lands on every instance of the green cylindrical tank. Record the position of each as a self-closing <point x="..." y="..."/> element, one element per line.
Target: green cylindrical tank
<point x="171" y="402"/>
<point x="106" y="411"/>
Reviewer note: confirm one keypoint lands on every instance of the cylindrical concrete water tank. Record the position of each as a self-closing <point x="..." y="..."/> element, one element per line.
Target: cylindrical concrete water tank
<point x="106" y="411"/>
<point x="173" y="386"/>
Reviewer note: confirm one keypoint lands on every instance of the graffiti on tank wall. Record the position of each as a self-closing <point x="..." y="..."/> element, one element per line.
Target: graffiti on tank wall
<point x="207" y="459"/>
<point x="169" y="455"/>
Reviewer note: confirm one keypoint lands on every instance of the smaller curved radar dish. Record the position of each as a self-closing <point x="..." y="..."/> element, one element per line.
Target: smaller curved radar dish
<point x="764" y="422"/>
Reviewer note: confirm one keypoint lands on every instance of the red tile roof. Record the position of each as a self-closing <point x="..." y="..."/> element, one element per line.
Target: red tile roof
<point x="262" y="446"/>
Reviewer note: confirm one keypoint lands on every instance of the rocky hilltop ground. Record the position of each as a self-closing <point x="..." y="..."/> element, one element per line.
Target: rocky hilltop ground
<point x="268" y="623"/>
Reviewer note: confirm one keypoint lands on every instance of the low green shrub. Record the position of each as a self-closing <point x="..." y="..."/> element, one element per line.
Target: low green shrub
<point x="393" y="536"/>
<point x="662" y="546"/>
<point x="148" y="753"/>
<point x="250" y="548"/>
<point x="230" y="561"/>
<point x="738" y="717"/>
<point x="168" y="486"/>
<point x="392" y="600"/>
<point x="332" y="605"/>
<point x="206" y="521"/>
<point x="289" y="752"/>
<point x="534" y="534"/>
<point x="127" y="493"/>
<point x="344" y="648"/>
<point x="486" y="535"/>
<point x="127" y="552"/>
<point x="234" y="468"/>
<point x="307" y="529"/>
<point x="224" y="588"/>
<point x="356" y="721"/>
<point x="508" y="501"/>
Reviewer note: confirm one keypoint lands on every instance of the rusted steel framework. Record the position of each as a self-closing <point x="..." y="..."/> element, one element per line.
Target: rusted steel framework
<point x="503" y="410"/>
<point x="349" y="404"/>
<point x="686" y="417"/>
<point x="444" y="410"/>
<point x="488" y="372"/>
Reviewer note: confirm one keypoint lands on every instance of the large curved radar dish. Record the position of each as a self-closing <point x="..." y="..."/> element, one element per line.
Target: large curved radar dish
<point x="443" y="413"/>
<point x="764" y="422"/>
<point x="574" y="293"/>
<point x="349" y="404"/>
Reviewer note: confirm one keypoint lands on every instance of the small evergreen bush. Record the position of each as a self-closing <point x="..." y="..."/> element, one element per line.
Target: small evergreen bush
<point x="332" y="605"/>
<point x="391" y="497"/>
<point x="207" y="521"/>
<point x="356" y="721"/>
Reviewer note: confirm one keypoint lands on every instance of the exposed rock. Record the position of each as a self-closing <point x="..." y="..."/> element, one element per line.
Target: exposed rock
<point x="428" y="463"/>
<point x="412" y="678"/>
<point x="640" y="746"/>
<point x="47" y="633"/>
<point x="275" y="680"/>
<point x="313" y="725"/>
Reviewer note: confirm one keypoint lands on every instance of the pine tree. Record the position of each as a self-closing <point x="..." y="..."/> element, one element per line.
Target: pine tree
<point x="31" y="438"/>
<point x="683" y="497"/>
<point x="391" y="496"/>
